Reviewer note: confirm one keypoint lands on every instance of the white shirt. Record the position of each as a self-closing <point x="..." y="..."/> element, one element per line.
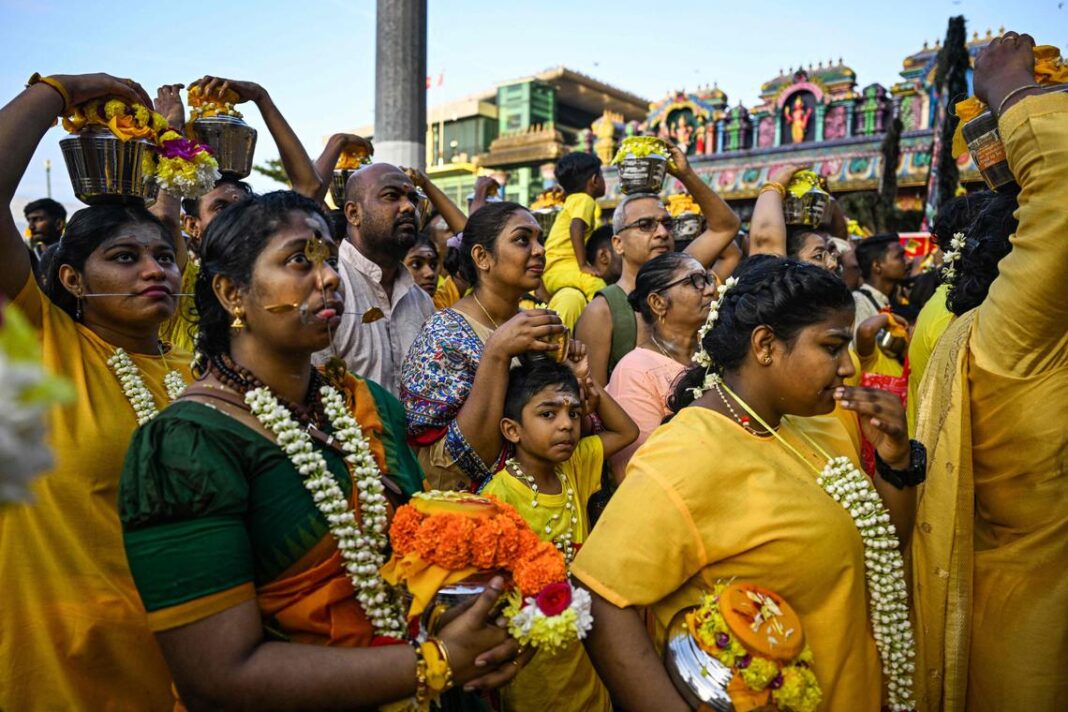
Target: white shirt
<point x="377" y="349"/>
<point x="865" y="308"/>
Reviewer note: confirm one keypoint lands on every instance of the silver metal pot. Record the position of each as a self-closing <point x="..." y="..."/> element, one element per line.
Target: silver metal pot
<point x="893" y="346"/>
<point x="642" y="175"/>
<point x="546" y="217"/>
<point x="806" y="210"/>
<point x="337" y="186"/>
<point x="232" y="141"/>
<point x="688" y="226"/>
<point x="450" y="596"/>
<point x="104" y="168"/>
<point x="699" y="677"/>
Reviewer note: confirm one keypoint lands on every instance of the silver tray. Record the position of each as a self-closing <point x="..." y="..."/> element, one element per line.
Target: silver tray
<point x="699" y="677"/>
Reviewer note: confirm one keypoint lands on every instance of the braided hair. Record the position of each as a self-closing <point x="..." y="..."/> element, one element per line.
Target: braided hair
<point x="784" y="295"/>
<point x="230" y="247"/>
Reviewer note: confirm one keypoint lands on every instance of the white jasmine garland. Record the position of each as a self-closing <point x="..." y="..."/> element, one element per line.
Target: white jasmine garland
<point x="362" y="546"/>
<point x="885" y="573"/>
<point x="175" y="385"/>
<point x="133" y="386"/>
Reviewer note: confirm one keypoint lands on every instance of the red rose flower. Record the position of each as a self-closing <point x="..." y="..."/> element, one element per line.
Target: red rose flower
<point x="554" y="598"/>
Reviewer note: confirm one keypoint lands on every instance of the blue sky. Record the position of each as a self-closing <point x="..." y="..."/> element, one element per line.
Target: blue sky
<point x="317" y="58"/>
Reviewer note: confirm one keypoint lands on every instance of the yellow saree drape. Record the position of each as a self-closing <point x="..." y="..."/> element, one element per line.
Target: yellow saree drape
<point x="990" y="547"/>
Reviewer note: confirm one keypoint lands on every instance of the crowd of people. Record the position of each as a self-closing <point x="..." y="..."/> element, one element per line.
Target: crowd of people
<point x="667" y="418"/>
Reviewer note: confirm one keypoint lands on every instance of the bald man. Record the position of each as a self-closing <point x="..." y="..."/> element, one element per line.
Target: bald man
<point x="384" y="308"/>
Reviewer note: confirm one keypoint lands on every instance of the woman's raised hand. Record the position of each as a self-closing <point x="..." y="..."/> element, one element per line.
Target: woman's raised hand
<point x="218" y="87"/>
<point x="169" y="103"/>
<point x="481" y="653"/>
<point x="86" y="87"/>
<point x="529" y="330"/>
<point x="784" y="174"/>
<point x="882" y="420"/>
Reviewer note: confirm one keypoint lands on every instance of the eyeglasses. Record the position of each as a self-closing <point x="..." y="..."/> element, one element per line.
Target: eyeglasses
<point x="698" y="280"/>
<point x="648" y="225"/>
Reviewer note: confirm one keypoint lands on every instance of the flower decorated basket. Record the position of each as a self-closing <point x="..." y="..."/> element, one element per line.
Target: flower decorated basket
<point x="350" y="161"/>
<point x="643" y="163"/>
<point x="219" y="125"/>
<point x="127" y="152"/>
<point x="741" y="649"/>
<point x="806" y="200"/>
<point x="447" y="545"/>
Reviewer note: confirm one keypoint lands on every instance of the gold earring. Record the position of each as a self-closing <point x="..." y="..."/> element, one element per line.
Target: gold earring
<point x="766" y="360"/>
<point x="238" y="323"/>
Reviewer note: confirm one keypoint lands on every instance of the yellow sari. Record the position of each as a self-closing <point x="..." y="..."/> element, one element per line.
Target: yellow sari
<point x="990" y="547"/>
<point x="73" y="632"/>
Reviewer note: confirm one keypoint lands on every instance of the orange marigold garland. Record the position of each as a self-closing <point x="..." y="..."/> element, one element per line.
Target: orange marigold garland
<point x="446" y="536"/>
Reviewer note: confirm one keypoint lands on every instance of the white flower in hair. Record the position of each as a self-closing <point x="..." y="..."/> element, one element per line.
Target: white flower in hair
<point x="952" y="256"/>
<point x="701" y="357"/>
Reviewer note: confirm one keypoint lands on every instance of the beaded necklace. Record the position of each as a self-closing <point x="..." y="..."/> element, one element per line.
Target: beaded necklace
<point x="565" y="542"/>
<point x="240" y="379"/>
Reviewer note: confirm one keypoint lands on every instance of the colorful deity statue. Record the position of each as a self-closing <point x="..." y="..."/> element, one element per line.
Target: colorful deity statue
<point x="683" y="134"/>
<point x="798" y="117"/>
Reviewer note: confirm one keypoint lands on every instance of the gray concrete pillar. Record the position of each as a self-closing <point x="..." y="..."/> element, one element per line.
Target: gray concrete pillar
<point x="400" y="83"/>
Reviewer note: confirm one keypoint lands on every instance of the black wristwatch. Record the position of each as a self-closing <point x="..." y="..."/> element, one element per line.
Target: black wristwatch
<point x="912" y="475"/>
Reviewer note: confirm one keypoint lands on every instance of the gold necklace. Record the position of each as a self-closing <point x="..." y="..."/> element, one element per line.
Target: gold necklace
<point x="492" y="320"/>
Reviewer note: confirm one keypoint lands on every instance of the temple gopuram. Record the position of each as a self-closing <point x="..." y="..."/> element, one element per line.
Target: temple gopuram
<point x="818" y="115"/>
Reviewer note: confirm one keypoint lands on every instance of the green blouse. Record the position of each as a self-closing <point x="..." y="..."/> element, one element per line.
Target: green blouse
<point x="209" y="506"/>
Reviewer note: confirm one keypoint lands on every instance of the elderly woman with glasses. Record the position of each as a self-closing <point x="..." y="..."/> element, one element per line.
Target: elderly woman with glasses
<point x="643" y="230"/>
<point x="671" y="294"/>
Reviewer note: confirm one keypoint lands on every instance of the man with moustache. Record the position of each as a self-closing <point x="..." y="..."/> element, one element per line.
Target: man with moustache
<point x="384" y="307"/>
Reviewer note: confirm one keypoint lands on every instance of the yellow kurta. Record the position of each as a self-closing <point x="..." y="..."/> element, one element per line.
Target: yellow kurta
<point x="930" y="325"/>
<point x="705" y="501"/>
<point x="990" y="549"/>
<point x="73" y="632"/>
<point x="565" y="680"/>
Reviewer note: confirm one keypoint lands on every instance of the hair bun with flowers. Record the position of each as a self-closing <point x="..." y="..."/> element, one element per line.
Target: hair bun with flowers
<point x="182" y="167"/>
<point x="701" y="357"/>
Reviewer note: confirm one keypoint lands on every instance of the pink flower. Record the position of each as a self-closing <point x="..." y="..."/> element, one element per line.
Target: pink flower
<point x="554" y="598"/>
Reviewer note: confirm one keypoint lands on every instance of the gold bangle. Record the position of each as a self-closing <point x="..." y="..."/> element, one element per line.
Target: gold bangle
<point x="438" y="670"/>
<point x="36" y="78"/>
<point x="773" y="185"/>
<point x="422" y="687"/>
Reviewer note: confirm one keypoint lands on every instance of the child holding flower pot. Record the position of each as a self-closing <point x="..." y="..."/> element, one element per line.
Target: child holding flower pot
<point x="549" y="481"/>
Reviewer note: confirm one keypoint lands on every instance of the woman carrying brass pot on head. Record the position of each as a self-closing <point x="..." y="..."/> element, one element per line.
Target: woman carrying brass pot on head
<point x="72" y="628"/>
